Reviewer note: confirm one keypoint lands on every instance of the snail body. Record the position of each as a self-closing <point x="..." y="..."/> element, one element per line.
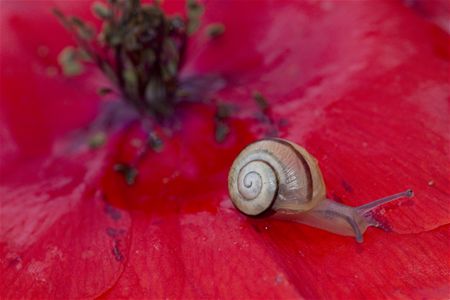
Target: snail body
<point x="280" y="178"/>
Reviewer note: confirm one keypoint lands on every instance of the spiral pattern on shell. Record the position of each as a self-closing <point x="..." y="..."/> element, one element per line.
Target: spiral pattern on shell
<point x="257" y="186"/>
<point x="275" y="174"/>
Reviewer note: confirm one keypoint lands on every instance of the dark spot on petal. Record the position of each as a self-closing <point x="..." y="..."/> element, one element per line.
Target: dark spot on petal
<point x="336" y="198"/>
<point x="113" y="232"/>
<point x="347" y="187"/>
<point x="112" y="212"/>
<point x="116" y="251"/>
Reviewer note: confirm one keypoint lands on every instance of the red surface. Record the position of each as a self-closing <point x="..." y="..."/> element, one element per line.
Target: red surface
<point x="437" y="11"/>
<point x="363" y="86"/>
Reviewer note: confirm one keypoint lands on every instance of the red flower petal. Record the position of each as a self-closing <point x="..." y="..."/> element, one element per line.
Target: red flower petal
<point x="363" y="86"/>
<point x="34" y="93"/>
<point x="58" y="236"/>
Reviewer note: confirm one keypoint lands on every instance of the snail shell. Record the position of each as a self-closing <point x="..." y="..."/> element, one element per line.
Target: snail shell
<point x="275" y="174"/>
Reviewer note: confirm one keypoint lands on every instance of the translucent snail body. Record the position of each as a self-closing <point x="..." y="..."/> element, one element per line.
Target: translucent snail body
<point x="279" y="177"/>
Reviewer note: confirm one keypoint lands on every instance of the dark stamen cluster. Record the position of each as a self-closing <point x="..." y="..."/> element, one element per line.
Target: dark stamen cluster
<point x="139" y="48"/>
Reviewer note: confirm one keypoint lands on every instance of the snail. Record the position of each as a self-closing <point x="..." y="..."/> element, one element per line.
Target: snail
<point x="281" y="179"/>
